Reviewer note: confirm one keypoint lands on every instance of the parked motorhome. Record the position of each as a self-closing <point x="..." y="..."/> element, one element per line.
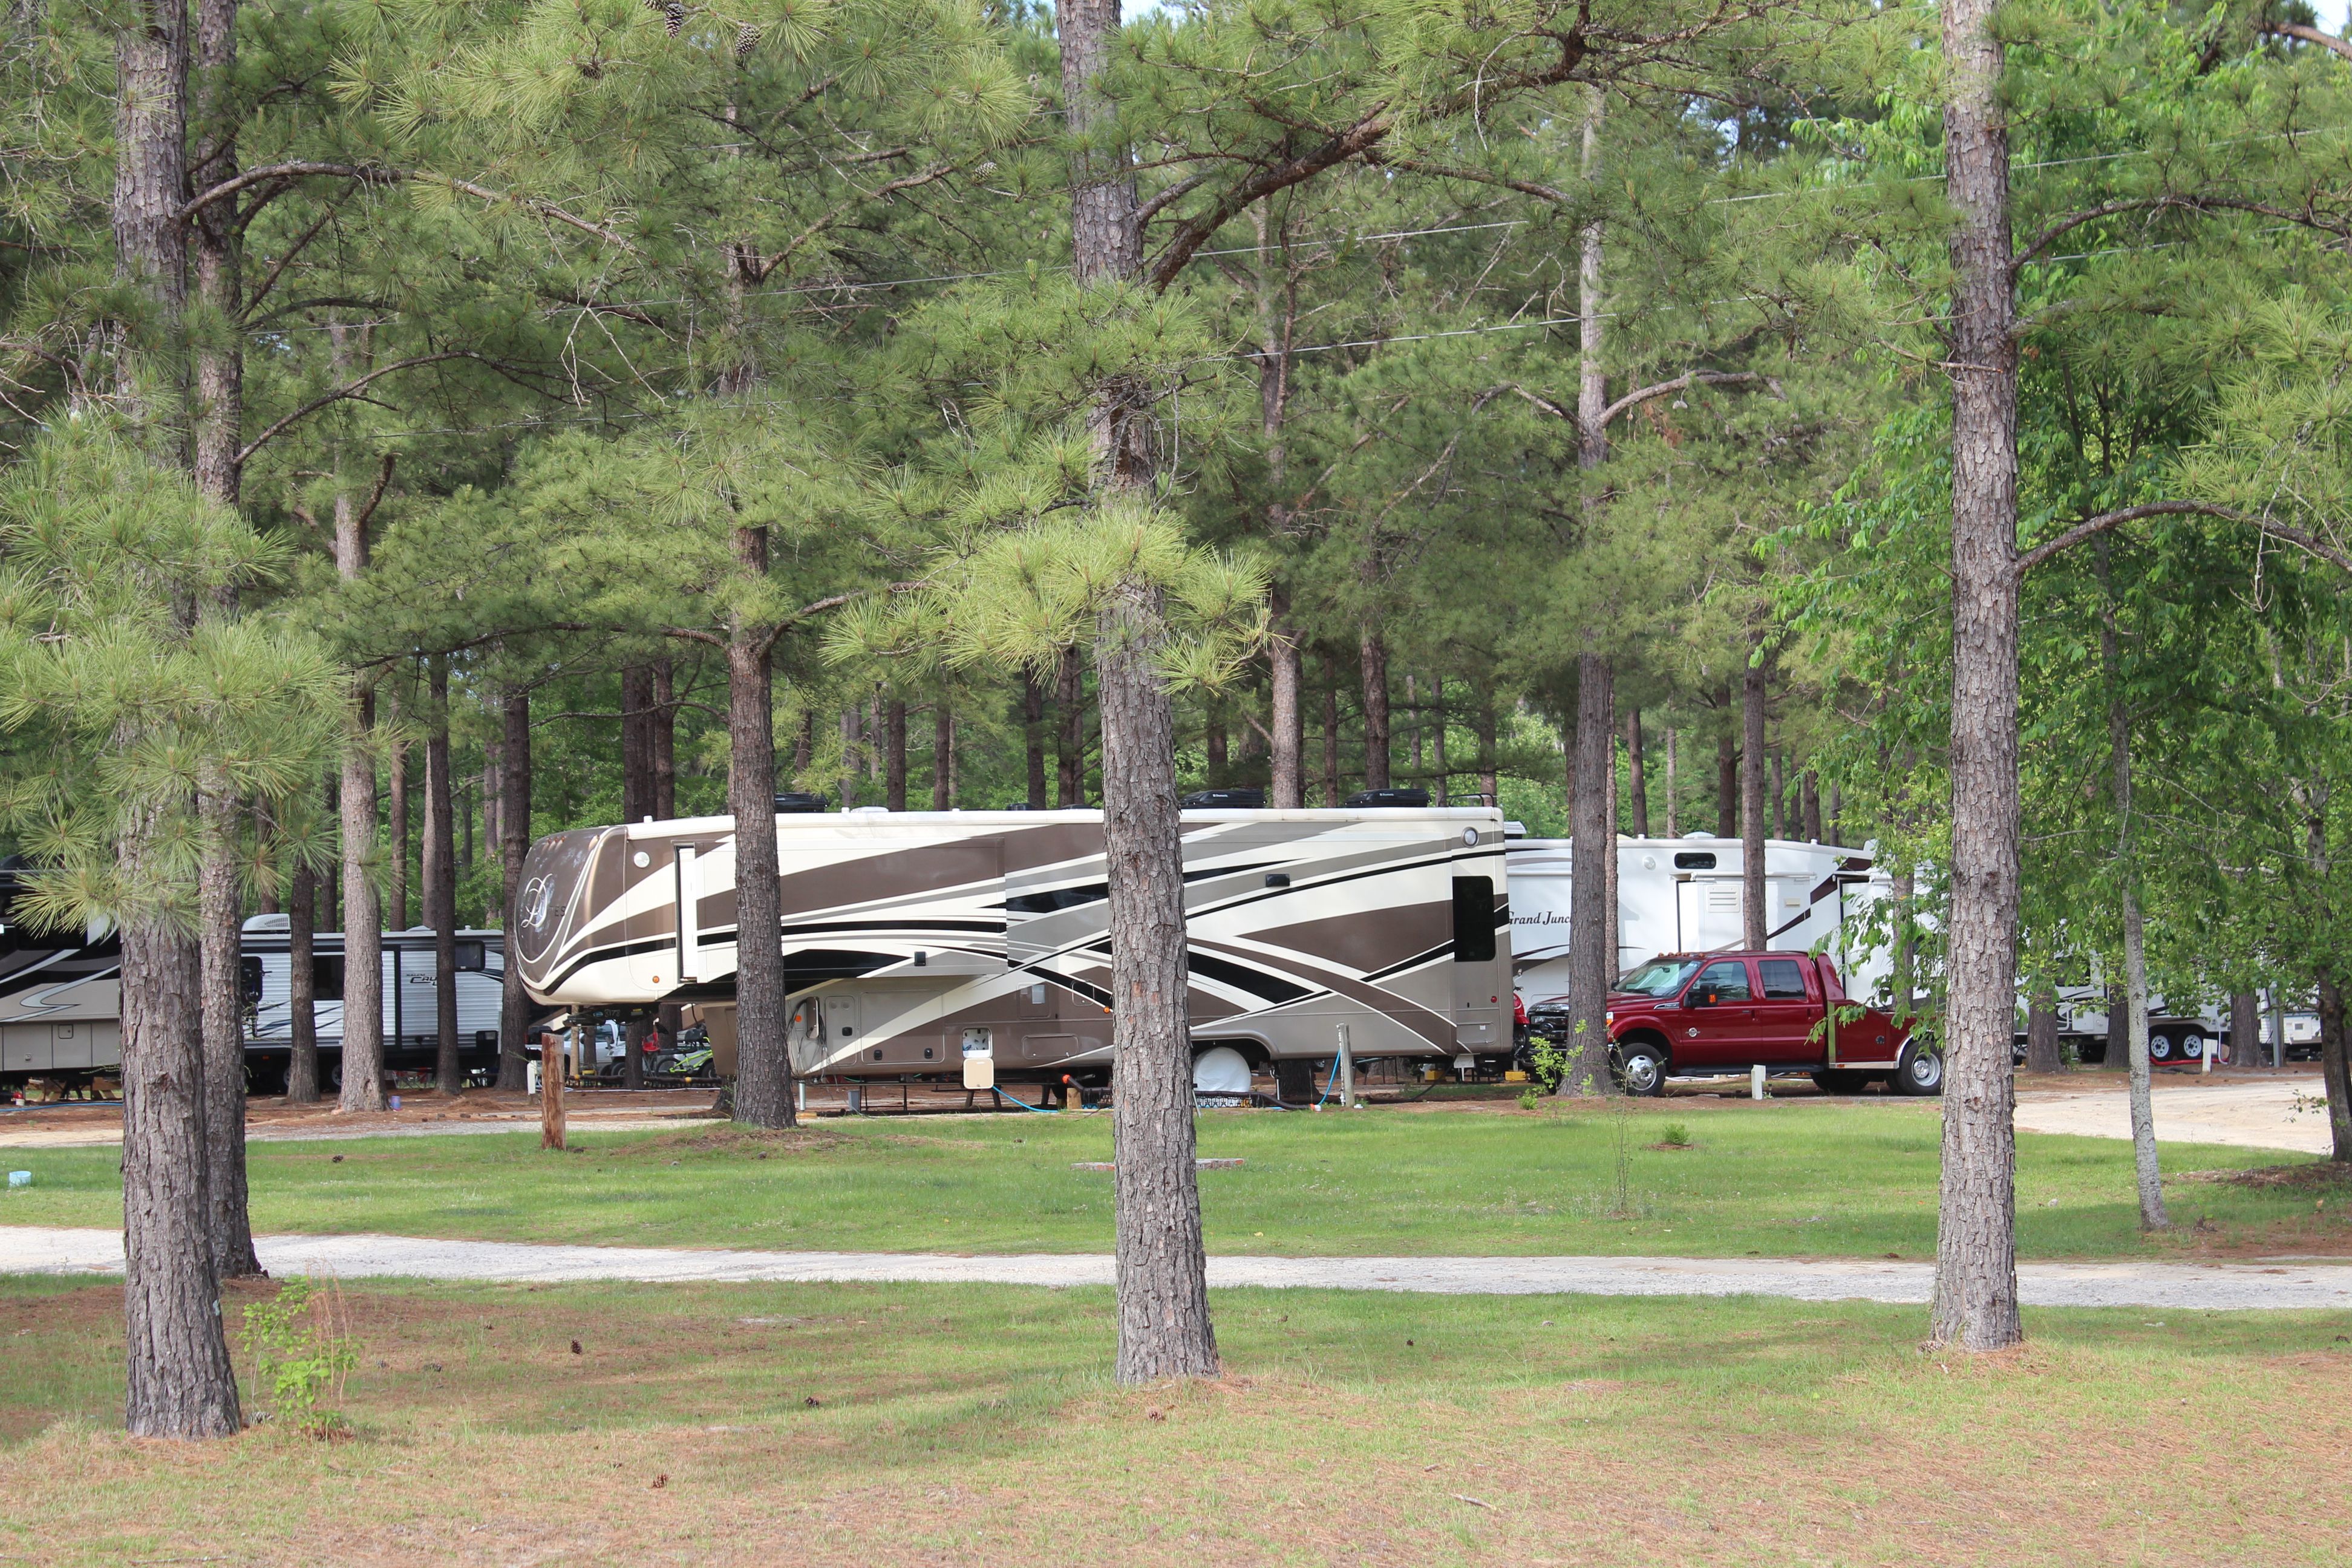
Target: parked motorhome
<point x="1683" y="895"/>
<point x="411" y="1032"/>
<point x="916" y="939"/>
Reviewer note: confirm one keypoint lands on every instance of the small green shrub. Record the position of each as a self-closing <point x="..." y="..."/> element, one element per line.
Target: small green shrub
<point x="1676" y="1135"/>
<point x="1530" y="1098"/>
<point x="301" y="1352"/>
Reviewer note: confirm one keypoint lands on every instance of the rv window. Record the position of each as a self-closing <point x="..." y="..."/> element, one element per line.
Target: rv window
<point x="327" y="978"/>
<point x="1694" y="860"/>
<point x="473" y="957"/>
<point x="1783" y="980"/>
<point x="248" y="980"/>
<point x="1473" y="920"/>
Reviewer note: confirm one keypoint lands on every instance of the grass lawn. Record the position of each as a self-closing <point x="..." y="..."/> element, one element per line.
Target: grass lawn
<point x="889" y="1425"/>
<point x="1787" y="1178"/>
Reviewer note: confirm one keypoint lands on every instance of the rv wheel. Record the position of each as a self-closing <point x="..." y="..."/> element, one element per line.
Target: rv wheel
<point x="2192" y="1045"/>
<point x="2160" y="1046"/>
<point x="1221" y="1076"/>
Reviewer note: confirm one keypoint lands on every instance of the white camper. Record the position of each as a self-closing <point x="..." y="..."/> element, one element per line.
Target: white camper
<point x="411" y="1032"/>
<point x="1683" y="895"/>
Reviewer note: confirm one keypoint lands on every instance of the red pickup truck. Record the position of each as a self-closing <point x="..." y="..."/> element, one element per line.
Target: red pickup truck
<point x="1692" y="1015"/>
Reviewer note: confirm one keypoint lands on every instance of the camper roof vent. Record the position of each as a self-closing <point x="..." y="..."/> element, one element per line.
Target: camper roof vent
<point x="1225" y="800"/>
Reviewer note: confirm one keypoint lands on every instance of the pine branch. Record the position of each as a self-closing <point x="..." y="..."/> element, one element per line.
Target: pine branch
<point x="377" y="174"/>
<point x="2309" y="544"/>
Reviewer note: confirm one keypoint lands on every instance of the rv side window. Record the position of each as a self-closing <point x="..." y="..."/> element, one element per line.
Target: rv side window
<point x="1694" y="860"/>
<point x="327" y="978"/>
<point x="473" y="957"/>
<point x="248" y="980"/>
<point x="1473" y="920"/>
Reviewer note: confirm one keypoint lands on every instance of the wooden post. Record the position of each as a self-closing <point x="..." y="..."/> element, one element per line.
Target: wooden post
<point x="550" y="1088"/>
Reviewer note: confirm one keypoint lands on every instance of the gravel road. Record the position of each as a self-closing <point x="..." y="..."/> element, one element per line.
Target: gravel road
<point x="2181" y="1287"/>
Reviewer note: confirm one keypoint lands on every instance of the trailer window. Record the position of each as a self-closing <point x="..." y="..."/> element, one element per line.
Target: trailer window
<point x="473" y="957"/>
<point x="1694" y="860"/>
<point x="1783" y="979"/>
<point x="327" y="978"/>
<point x="1473" y="920"/>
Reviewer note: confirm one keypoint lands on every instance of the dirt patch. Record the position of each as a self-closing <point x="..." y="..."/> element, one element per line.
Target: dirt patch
<point x="2323" y="1177"/>
<point x="723" y="1138"/>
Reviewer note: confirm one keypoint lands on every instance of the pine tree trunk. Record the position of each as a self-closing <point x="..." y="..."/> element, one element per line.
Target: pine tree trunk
<point x="1674" y="820"/>
<point x="439" y="869"/>
<point x="1375" y="652"/>
<point x="397" y="863"/>
<point x="1033" y="738"/>
<point x="1286" y="716"/>
<point x="1593" y="377"/>
<point x="1752" y="764"/>
<point x="1976" y="1245"/>
<point x="1437" y="738"/>
<point x="894" y="755"/>
<point x="222" y="1008"/>
<point x="665" y="742"/>
<point x="1070" y="743"/>
<point x="1810" y="791"/>
<point x="514" y="844"/>
<point x="1636" y="781"/>
<point x="1591" y="946"/>
<point x="763" y="1068"/>
<point x="151" y="61"/>
<point x="181" y="1381"/>
<point x="219" y="412"/>
<point x="2042" y="1054"/>
<point x="1904" y="982"/>
<point x="301" y="987"/>
<point x="1490" y="763"/>
<point x="362" y="1054"/>
<point x="1216" y="743"/>
<point x="1163" y="1302"/>
<point x="637" y="743"/>
<point x="1780" y="797"/>
<point x="2143" y="1107"/>
<point x="1330" y="731"/>
<point x="1727" y="785"/>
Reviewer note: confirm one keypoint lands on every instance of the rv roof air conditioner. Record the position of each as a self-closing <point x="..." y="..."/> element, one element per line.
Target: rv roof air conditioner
<point x="794" y="803"/>
<point x="1410" y="798"/>
<point x="1225" y="800"/>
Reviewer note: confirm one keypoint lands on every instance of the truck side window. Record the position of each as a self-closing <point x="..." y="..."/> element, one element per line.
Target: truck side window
<point x="1725" y="980"/>
<point x="1473" y="920"/>
<point x="1783" y="978"/>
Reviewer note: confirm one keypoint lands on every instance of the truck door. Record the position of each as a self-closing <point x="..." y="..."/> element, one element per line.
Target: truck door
<point x="1785" y="1013"/>
<point x="1718" y="1023"/>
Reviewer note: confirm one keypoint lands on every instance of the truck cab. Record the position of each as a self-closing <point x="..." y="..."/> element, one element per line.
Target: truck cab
<point x="1700" y="1015"/>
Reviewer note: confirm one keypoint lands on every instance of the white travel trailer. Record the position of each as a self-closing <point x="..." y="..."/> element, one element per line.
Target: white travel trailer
<point x="1683" y="895"/>
<point x="916" y="942"/>
<point x="411" y="1036"/>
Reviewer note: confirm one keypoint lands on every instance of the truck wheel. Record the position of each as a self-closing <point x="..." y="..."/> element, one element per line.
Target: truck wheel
<point x="1840" y="1081"/>
<point x="1639" y="1068"/>
<point x="1919" y="1073"/>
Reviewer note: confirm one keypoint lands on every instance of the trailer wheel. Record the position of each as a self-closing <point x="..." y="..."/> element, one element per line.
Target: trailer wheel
<point x="2160" y="1046"/>
<point x="2192" y="1045"/>
<point x="1920" y="1072"/>
<point x="1639" y="1068"/>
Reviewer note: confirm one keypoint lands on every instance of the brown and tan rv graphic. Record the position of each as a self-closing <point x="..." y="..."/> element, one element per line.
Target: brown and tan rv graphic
<point x="915" y="939"/>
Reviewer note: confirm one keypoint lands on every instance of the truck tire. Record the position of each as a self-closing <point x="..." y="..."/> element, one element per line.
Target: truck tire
<point x="1639" y="1068"/>
<point x="1918" y="1072"/>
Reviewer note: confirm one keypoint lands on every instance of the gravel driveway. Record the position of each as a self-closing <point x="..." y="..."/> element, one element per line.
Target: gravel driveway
<point x="2181" y="1287"/>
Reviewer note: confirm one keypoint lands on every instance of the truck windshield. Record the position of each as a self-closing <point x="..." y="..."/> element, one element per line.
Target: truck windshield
<point x="1662" y="978"/>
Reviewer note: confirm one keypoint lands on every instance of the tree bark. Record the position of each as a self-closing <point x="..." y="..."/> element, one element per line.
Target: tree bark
<point x="181" y="1383"/>
<point x="1727" y="788"/>
<point x="397" y="809"/>
<point x="1330" y="731"/>
<point x="637" y="743"/>
<point x="1592" y="378"/>
<point x="1490" y="782"/>
<point x="1752" y="763"/>
<point x="1976" y="1244"/>
<point x="150" y="117"/>
<point x="665" y="740"/>
<point x="1070" y="743"/>
<point x="363" y="1052"/>
<point x="514" y="844"/>
<point x="1904" y="982"/>
<point x="763" y="1067"/>
<point x="1780" y="797"/>
<point x="894" y="755"/>
<point x="2245" y="1029"/>
<point x="2143" y="1109"/>
<point x="2336" y="1067"/>
<point x="439" y="869"/>
<point x="1163" y="1272"/>
<point x="222" y="1013"/>
<point x="1637" y="782"/>
<point x="1674" y="821"/>
<point x="1375" y="652"/>
<point x="2042" y="1054"/>
<point x="219" y="412"/>
<point x="1287" y="715"/>
<point x="1810" y="791"/>
<point x="1216" y="740"/>
<point x="1033" y="737"/>
<point x="301" y="987"/>
<point x="1591" y="946"/>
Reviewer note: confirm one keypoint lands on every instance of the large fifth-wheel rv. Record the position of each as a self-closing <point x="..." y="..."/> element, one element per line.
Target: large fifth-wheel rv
<point x="916" y="939"/>
<point x="1683" y="895"/>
